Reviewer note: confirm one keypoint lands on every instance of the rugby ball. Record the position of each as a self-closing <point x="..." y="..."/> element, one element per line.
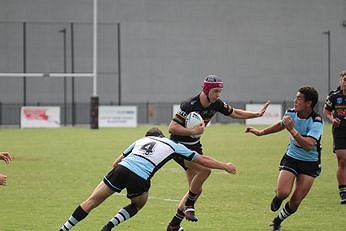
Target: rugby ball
<point x="193" y="119"/>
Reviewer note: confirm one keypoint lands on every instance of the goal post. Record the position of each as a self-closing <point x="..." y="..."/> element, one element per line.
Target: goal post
<point x="94" y="100"/>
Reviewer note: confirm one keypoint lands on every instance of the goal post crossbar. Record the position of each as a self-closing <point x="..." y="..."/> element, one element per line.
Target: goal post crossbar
<point x="93" y="74"/>
<point x="90" y="75"/>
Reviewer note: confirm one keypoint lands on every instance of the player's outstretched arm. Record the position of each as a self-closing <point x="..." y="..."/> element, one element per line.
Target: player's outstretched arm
<point x="209" y="162"/>
<point x="242" y="114"/>
<point x="5" y="156"/>
<point x="278" y="126"/>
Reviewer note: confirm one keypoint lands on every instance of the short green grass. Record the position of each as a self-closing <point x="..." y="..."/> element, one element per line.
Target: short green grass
<point x="56" y="169"/>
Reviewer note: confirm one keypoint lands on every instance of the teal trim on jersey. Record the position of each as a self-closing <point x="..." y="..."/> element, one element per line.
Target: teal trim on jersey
<point x="309" y="127"/>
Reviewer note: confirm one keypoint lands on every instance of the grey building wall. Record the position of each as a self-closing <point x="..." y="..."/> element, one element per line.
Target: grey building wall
<point x="263" y="49"/>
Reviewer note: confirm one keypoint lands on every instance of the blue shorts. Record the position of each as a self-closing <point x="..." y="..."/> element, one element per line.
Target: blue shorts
<point x="310" y="168"/>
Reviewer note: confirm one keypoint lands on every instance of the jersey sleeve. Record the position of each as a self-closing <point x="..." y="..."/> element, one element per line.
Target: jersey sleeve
<point x="129" y="149"/>
<point x="290" y="112"/>
<point x="316" y="128"/>
<point x="329" y="105"/>
<point x="224" y="108"/>
<point x="185" y="152"/>
<point x="181" y="114"/>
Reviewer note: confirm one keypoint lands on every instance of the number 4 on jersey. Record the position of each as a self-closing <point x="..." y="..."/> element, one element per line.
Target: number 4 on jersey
<point x="148" y="148"/>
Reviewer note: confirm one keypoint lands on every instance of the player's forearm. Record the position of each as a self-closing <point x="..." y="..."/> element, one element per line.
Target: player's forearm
<point x="177" y="129"/>
<point x="272" y="129"/>
<point x="209" y="162"/>
<point x="242" y="114"/>
<point x="305" y="142"/>
<point x="328" y="114"/>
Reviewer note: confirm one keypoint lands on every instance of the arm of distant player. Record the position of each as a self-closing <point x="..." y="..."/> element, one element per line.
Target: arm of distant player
<point x="177" y="129"/>
<point x="209" y="162"/>
<point x="329" y="115"/>
<point x="242" y="114"/>
<point x="278" y="126"/>
<point x="117" y="160"/>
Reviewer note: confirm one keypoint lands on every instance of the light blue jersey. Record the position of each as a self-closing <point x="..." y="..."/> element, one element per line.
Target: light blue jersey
<point x="312" y="126"/>
<point x="148" y="154"/>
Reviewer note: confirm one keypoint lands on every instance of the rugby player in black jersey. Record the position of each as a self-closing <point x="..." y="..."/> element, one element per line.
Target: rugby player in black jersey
<point x="335" y="111"/>
<point x="207" y="103"/>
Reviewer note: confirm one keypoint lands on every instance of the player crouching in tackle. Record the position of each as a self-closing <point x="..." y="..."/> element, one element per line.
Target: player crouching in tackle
<point x="301" y="163"/>
<point x="133" y="170"/>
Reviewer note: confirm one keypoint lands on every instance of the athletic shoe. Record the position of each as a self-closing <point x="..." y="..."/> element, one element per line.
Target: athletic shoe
<point x="276" y="203"/>
<point x="343" y="198"/>
<point x="275" y="227"/>
<point x="174" y="228"/>
<point x="190" y="214"/>
<point x="343" y="201"/>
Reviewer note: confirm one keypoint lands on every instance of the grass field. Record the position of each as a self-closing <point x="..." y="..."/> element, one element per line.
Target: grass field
<point x="55" y="169"/>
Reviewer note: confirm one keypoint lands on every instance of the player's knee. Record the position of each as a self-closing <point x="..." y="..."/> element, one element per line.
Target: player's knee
<point x="342" y="163"/>
<point x="283" y="194"/>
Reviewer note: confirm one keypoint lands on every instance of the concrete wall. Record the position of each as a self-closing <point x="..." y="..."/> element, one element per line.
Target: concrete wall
<point x="263" y="49"/>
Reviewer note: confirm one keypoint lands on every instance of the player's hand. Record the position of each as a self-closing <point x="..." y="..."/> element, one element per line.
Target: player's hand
<point x="3" y="179"/>
<point x="288" y="123"/>
<point x="115" y="163"/>
<point x="263" y="109"/>
<point x="253" y="131"/>
<point x="231" y="168"/>
<point x="336" y="122"/>
<point x="198" y="130"/>
<point x="5" y="156"/>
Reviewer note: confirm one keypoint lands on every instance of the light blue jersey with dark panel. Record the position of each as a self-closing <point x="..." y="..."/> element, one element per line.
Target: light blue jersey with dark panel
<point x="148" y="154"/>
<point x="312" y="126"/>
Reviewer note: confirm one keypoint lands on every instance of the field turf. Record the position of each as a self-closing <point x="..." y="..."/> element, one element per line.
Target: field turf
<point x="55" y="169"/>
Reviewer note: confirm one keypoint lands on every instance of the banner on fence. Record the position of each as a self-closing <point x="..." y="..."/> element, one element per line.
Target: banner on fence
<point x="117" y="116"/>
<point x="40" y="117"/>
<point x="272" y="114"/>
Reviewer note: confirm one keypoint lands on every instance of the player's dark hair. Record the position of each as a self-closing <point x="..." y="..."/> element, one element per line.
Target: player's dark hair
<point x="310" y="94"/>
<point x="154" y="131"/>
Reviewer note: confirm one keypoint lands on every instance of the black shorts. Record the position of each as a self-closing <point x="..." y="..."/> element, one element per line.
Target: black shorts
<point x="310" y="168"/>
<point x="195" y="147"/>
<point x="339" y="138"/>
<point x="120" y="177"/>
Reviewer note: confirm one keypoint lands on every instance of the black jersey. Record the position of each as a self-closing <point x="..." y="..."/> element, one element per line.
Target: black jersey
<point x="336" y="102"/>
<point x="194" y="104"/>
